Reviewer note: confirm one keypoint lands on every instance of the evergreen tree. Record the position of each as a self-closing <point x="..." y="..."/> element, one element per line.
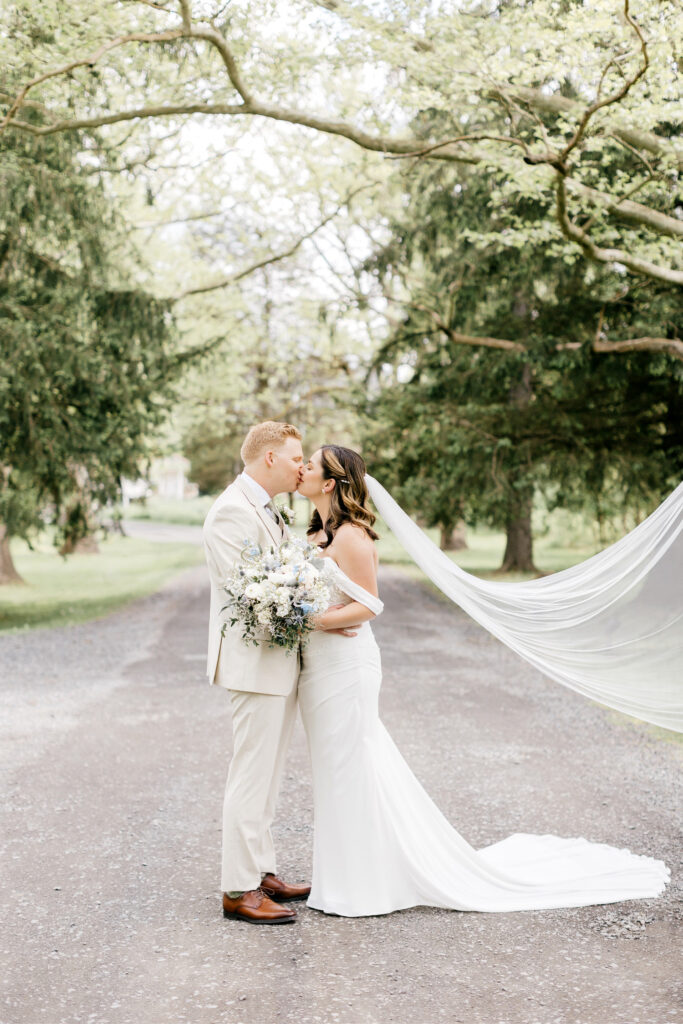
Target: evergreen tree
<point x="466" y="428"/>
<point x="88" y="359"/>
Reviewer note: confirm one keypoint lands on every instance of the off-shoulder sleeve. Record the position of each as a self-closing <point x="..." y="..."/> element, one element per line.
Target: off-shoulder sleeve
<point x="362" y="596"/>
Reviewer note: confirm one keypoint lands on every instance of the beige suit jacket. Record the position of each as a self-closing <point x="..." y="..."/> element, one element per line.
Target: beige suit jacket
<point x="234" y="516"/>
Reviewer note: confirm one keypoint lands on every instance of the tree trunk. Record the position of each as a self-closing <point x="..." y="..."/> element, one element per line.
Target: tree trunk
<point x="79" y="524"/>
<point x="453" y="539"/>
<point x="8" y="572"/>
<point x="518" y="555"/>
<point x="83" y="546"/>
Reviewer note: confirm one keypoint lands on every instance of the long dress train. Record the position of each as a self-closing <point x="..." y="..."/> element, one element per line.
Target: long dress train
<point x="381" y="844"/>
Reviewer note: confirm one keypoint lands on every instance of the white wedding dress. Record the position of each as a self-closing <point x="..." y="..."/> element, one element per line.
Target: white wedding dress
<point x="381" y="844"/>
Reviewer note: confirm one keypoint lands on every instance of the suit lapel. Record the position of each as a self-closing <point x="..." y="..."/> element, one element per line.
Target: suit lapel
<point x="266" y="519"/>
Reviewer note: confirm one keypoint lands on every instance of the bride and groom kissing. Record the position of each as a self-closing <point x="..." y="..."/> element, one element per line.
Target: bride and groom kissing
<point x="380" y="843"/>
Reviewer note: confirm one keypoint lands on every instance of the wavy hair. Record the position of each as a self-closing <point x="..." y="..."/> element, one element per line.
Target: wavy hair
<point x="349" y="497"/>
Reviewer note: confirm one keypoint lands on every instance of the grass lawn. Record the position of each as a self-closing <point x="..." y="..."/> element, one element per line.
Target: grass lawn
<point x="484" y="553"/>
<point x="85" y="587"/>
<point x="60" y="591"/>
<point x="168" y="510"/>
<point x="559" y="548"/>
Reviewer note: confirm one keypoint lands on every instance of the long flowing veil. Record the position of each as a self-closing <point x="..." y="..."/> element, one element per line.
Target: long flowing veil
<point x="610" y="628"/>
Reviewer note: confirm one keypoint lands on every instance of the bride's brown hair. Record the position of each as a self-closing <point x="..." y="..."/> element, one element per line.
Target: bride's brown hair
<point x="348" y="498"/>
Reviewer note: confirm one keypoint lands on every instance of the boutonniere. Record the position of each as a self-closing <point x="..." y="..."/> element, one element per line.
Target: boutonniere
<point x="287" y="513"/>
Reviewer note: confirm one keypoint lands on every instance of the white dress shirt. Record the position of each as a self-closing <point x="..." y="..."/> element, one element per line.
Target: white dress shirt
<point x="259" y="492"/>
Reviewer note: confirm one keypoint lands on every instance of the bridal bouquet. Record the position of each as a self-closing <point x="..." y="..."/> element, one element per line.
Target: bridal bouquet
<point x="277" y="592"/>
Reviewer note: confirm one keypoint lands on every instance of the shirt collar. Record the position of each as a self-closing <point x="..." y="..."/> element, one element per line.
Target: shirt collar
<point x="259" y="492"/>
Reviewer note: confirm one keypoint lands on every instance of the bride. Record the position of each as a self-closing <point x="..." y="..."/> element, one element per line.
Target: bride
<point x="380" y="843"/>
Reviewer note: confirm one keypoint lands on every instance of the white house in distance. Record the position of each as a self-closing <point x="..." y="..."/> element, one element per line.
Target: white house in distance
<point x="167" y="479"/>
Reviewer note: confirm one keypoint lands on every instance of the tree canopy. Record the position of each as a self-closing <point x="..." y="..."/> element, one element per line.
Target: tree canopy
<point x="554" y="95"/>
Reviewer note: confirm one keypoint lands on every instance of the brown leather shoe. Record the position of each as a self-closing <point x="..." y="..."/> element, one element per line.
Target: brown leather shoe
<point x="256" y="908"/>
<point x="278" y="890"/>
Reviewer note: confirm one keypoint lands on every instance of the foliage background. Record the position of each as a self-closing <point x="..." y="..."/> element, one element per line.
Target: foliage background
<point x="447" y="234"/>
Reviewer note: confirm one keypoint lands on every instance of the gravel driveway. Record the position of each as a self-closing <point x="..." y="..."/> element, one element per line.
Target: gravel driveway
<point x="114" y="752"/>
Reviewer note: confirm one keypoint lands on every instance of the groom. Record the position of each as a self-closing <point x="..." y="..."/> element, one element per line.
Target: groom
<point x="261" y="681"/>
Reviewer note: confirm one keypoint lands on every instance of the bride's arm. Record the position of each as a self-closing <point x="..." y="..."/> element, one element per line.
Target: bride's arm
<point x="355" y="555"/>
<point x="346" y="617"/>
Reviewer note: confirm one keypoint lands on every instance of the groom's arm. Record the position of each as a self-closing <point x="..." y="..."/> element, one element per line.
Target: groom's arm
<point x="224" y="540"/>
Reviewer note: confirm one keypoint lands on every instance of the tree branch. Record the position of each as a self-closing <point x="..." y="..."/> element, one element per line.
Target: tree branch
<point x="129" y="115"/>
<point x="430" y="150"/>
<point x="670" y="345"/>
<point x="151" y="224"/>
<point x="625" y="209"/>
<point x="326" y="389"/>
<point x="150" y="3"/>
<point x="90" y="61"/>
<point x="234" y="278"/>
<point x="555" y="104"/>
<point x="575" y="234"/>
<point x="219" y="42"/>
<point x="374" y="143"/>
<point x="615" y="96"/>
<point x="381" y="144"/>
<point x="186" y="14"/>
<point x="483" y="342"/>
<point x="456" y="336"/>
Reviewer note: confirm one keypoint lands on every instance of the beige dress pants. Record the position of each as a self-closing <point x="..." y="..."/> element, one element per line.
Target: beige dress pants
<point x="262" y="728"/>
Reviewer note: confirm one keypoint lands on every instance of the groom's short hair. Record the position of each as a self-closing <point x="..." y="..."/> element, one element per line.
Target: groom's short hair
<point x="263" y="436"/>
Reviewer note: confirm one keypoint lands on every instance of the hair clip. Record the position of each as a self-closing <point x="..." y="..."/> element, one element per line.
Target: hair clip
<point x="343" y="480"/>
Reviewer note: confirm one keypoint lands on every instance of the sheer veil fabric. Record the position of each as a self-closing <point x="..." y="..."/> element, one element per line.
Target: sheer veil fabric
<point x="610" y="628"/>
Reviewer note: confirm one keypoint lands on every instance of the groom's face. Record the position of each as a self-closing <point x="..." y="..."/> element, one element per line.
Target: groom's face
<point x="287" y="463"/>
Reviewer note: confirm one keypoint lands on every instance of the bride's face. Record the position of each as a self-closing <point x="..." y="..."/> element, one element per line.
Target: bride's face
<point x="312" y="479"/>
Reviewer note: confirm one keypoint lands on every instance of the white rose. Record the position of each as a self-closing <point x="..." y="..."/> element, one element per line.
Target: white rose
<point x="284" y="576"/>
<point x="308" y="573"/>
<point x="254" y="591"/>
<point x="288" y="552"/>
